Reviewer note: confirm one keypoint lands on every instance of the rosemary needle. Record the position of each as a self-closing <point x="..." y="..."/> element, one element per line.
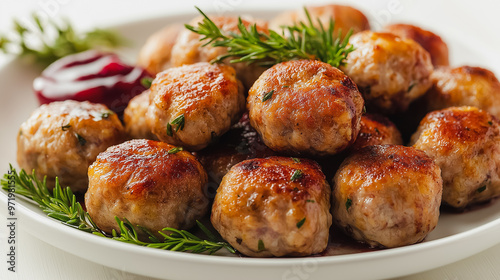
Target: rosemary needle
<point x="305" y="41"/>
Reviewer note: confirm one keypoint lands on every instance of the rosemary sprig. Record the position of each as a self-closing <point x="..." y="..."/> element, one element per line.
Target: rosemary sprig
<point x="45" y="41"/>
<point x="61" y="204"/>
<point x="304" y="41"/>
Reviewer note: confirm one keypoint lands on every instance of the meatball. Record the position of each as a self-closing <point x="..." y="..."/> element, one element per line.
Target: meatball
<point x="387" y="195"/>
<point x="189" y="49"/>
<point x="345" y="18"/>
<point x="376" y="130"/>
<point x="192" y="104"/>
<point x="390" y="72"/>
<point x="241" y="142"/>
<point x="63" y="138"/>
<point x="464" y="86"/>
<point x="464" y="142"/>
<point x="305" y="107"/>
<point x="148" y="183"/>
<point x="155" y="55"/>
<point x="275" y="206"/>
<point x="134" y="117"/>
<point x="431" y="42"/>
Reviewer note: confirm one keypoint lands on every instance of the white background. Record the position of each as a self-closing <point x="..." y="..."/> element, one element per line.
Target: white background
<point x="476" y="22"/>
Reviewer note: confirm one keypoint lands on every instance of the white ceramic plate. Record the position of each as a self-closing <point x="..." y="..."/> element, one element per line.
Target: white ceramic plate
<point x="457" y="236"/>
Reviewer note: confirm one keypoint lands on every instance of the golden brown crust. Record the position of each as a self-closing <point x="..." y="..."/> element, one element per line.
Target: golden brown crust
<point x="314" y="108"/>
<point x="463" y="141"/>
<point x="63" y="138"/>
<point x="390" y="72"/>
<point x="464" y="86"/>
<point x="376" y="130"/>
<point x="387" y="195"/>
<point x="431" y="42"/>
<point x="345" y="18"/>
<point x="259" y="200"/>
<point x="155" y="55"/>
<point x="141" y="181"/>
<point x="208" y="96"/>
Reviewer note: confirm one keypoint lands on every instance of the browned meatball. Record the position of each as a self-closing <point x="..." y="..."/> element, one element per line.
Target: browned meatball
<point x="145" y="182"/>
<point x="134" y="117"/>
<point x="62" y="139"/>
<point x="390" y="72"/>
<point x="305" y="107"/>
<point x="345" y="18"/>
<point x="192" y="104"/>
<point x="241" y="142"/>
<point x="431" y="42"/>
<point x="387" y="195"/>
<point x="274" y="207"/>
<point x="155" y="55"/>
<point x="376" y="130"/>
<point x="464" y="86"/>
<point x="189" y="49"/>
<point x="464" y="142"/>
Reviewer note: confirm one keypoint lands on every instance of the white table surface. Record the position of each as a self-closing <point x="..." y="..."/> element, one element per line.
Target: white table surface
<point x="477" y="21"/>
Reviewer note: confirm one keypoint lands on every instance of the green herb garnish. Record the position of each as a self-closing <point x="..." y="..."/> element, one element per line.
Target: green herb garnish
<point x="175" y="150"/>
<point x="301" y="223"/>
<point x="106" y="115"/>
<point x="36" y="41"/>
<point x="261" y="246"/>
<point x="267" y="95"/>
<point x="81" y="140"/>
<point x="304" y="41"/>
<point x="65" y="127"/>
<point x="169" y="129"/>
<point x="296" y="175"/>
<point x="178" y="122"/>
<point x="146" y="82"/>
<point x="296" y="160"/>
<point x="310" y="200"/>
<point x="348" y="204"/>
<point x="411" y="87"/>
<point x="481" y="189"/>
<point x="61" y="204"/>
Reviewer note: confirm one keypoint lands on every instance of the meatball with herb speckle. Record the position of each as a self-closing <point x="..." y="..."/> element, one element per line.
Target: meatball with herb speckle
<point x="390" y="72"/>
<point x="149" y="183"/>
<point x="465" y="143"/>
<point x="276" y="206"/>
<point x="193" y="104"/>
<point x="305" y="107"/>
<point x="464" y="86"/>
<point x="387" y="195"/>
<point x="63" y="138"/>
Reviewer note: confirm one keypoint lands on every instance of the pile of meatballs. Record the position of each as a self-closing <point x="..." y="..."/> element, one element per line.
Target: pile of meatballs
<point x="278" y="155"/>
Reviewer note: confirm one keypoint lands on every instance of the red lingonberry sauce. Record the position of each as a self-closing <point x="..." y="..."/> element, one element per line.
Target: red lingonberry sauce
<point x="92" y="76"/>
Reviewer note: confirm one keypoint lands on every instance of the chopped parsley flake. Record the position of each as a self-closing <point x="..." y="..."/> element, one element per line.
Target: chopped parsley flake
<point x="261" y="246"/>
<point x="348" y="204"/>
<point x="296" y="175"/>
<point x="301" y="223"/>
<point x="175" y="150"/>
<point x="267" y="95"/>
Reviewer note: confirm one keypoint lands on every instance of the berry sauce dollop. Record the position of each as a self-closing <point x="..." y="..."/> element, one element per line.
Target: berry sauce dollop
<point x="91" y="76"/>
